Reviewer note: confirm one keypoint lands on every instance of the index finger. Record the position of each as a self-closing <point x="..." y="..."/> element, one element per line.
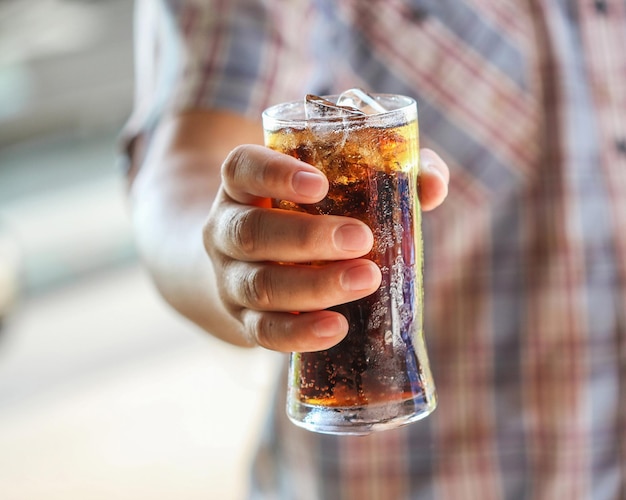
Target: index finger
<point x="251" y="173"/>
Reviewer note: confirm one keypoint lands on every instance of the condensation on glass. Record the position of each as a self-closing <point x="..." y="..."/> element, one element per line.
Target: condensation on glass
<point x="378" y="377"/>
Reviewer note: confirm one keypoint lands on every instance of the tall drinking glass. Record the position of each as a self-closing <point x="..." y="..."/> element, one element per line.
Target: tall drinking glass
<point x="378" y="377"/>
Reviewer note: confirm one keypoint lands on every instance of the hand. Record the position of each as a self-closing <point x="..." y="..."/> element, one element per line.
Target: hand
<point x="246" y="240"/>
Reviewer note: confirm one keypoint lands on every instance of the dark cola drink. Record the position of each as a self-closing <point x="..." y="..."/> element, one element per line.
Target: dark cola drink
<point x="378" y="376"/>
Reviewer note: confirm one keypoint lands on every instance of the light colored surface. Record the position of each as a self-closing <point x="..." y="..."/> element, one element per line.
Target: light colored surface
<point x="64" y="65"/>
<point x="63" y="202"/>
<point x="106" y="394"/>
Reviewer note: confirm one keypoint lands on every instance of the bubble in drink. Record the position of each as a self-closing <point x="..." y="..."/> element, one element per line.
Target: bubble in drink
<point x="381" y="364"/>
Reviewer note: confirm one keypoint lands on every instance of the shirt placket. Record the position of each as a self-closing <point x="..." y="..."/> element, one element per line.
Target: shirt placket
<point x="604" y="42"/>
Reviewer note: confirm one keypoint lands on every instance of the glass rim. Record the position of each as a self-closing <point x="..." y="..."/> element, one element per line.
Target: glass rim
<point x="291" y="113"/>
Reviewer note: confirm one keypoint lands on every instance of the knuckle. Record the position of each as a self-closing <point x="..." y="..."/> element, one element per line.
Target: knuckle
<point x="246" y="319"/>
<point x="257" y="289"/>
<point x="265" y="172"/>
<point x="262" y="329"/>
<point x="245" y="231"/>
<point x="250" y="162"/>
<point x="235" y="162"/>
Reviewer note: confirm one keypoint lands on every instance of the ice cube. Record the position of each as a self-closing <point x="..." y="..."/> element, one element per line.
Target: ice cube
<point x="318" y="107"/>
<point x="361" y="100"/>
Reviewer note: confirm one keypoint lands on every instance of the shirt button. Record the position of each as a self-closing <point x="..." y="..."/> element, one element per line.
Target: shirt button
<point x="620" y="145"/>
<point x="601" y="6"/>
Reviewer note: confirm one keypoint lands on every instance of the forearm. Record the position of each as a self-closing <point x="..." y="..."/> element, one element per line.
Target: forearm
<point x="170" y="199"/>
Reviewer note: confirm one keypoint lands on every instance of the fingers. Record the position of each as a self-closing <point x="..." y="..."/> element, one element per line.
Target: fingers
<point x="251" y="173"/>
<point x="433" y="180"/>
<point x="287" y="332"/>
<point x="260" y="234"/>
<point x="262" y="295"/>
<point x="247" y="241"/>
<point x="276" y="287"/>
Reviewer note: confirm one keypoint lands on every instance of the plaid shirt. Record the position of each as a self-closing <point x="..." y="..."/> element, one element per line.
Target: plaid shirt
<point x="525" y="262"/>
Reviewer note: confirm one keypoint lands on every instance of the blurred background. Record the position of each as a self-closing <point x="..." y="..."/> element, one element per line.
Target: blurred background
<point x="104" y="392"/>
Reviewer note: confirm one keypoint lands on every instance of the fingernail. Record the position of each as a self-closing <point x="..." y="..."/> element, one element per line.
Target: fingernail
<point x="308" y="184"/>
<point x="353" y="237"/>
<point x="359" y="277"/>
<point x="331" y="326"/>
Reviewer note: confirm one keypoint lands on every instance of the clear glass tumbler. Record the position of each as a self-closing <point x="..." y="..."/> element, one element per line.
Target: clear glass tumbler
<point x="378" y="377"/>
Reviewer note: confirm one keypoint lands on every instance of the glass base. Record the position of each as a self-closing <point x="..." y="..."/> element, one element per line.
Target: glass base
<point x="359" y="420"/>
